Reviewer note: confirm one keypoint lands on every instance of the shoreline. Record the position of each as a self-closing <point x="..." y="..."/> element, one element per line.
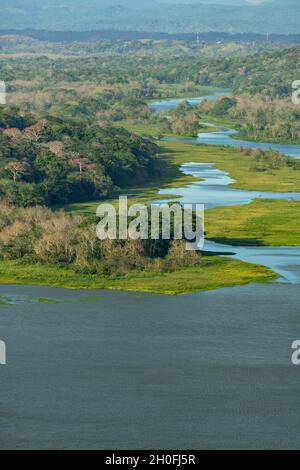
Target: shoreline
<point x="208" y="277"/>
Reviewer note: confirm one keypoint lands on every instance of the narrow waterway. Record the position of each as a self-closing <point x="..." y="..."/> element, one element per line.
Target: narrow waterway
<point x="172" y="103"/>
<point x="223" y="135"/>
<point x="214" y="191"/>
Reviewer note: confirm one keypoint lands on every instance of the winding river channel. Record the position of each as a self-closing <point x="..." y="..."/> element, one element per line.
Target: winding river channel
<point x="122" y="370"/>
<point x="214" y="191"/>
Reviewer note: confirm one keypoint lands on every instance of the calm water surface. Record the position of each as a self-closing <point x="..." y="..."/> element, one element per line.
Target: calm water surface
<point x="126" y="371"/>
<point x="165" y="105"/>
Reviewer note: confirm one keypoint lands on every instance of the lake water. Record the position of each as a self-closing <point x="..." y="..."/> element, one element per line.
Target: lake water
<point x="116" y="370"/>
<point x="165" y="105"/>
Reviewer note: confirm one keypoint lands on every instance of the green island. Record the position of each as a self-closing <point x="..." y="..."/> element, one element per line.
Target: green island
<point x="185" y="281"/>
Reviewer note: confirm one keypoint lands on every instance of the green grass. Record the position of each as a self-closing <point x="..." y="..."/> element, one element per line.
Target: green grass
<point x="263" y="222"/>
<point x="219" y="121"/>
<point x="217" y="272"/>
<point x="177" y="90"/>
<point x="232" y="161"/>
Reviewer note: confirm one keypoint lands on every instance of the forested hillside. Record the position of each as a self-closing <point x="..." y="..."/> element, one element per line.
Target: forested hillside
<point x="55" y="161"/>
<point x="252" y="68"/>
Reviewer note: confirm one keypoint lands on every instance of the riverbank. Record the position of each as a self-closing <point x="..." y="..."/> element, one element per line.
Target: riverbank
<point x="209" y="276"/>
<point x="264" y="222"/>
<point x="232" y="161"/>
<point x="170" y="91"/>
<point x="174" y="154"/>
<point x="234" y="124"/>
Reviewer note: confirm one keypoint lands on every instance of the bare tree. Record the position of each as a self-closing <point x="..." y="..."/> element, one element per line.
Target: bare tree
<point x="18" y="169"/>
<point x="14" y="134"/>
<point x="82" y="163"/>
<point x="35" y="132"/>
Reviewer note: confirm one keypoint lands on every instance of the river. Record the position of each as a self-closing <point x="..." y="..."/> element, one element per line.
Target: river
<point x="223" y="135"/>
<point x="119" y="370"/>
<point x="215" y="191"/>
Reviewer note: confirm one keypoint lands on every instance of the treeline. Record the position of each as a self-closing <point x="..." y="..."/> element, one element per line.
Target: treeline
<point x="269" y="160"/>
<point x="242" y="68"/>
<point x="40" y="235"/>
<point x="110" y="81"/>
<point x="184" y="120"/>
<point x="55" y="161"/>
<point x="259" y="117"/>
<point x="116" y="34"/>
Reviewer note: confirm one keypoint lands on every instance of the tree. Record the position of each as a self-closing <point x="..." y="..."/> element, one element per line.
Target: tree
<point x="36" y="132"/>
<point x="81" y="163"/>
<point x="14" y="134"/>
<point x="49" y="164"/>
<point x="18" y="169"/>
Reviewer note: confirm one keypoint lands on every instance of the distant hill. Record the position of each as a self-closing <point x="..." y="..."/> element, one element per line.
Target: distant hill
<point x="233" y="16"/>
<point x="114" y="34"/>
